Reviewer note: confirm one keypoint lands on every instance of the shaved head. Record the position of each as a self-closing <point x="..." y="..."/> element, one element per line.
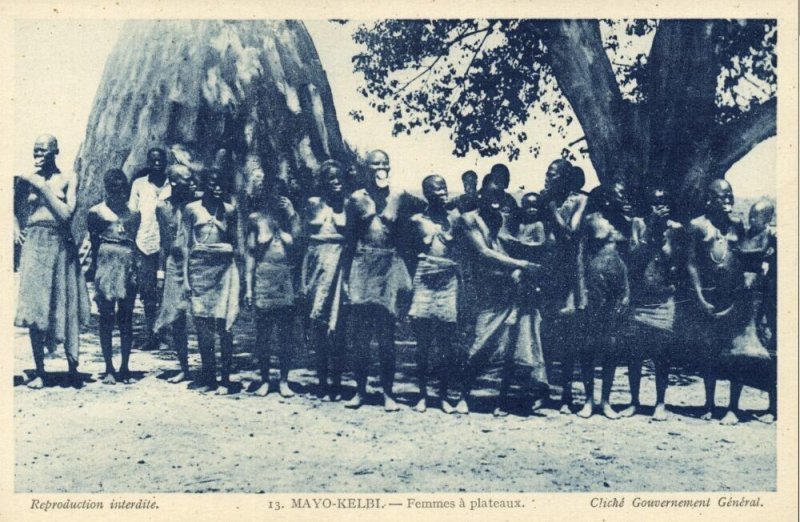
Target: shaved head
<point x="48" y="141"/>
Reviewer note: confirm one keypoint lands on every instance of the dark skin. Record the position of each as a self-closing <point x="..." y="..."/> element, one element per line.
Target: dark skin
<point x="489" y="212"/>
<point x="52" y="198"/>
<point x="653" y="241"/>
<point x="213" y="204"/>
<point x="432" y="229"/>
<point x="117" y="311"/>
<point x="183" y="188"/>
<point x="565" y="227"/>
<point x="373" y="217"/>
<point x="281" y="224"/>
<point x="328" y="345"/>
<point x="712" y="261"/>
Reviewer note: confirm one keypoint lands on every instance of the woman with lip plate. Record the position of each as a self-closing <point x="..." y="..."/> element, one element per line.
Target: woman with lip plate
<point x="210" y="276"/>
<point x="322" y="276"/>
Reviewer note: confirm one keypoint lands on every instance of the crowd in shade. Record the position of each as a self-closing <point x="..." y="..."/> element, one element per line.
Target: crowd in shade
<point x="485" y="280"/>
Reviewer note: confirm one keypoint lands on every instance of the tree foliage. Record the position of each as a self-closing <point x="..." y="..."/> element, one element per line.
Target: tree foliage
<point x="483" y="80"/>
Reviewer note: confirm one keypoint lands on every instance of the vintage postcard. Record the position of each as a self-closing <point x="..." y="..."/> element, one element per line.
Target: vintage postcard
<point x="429" y="260"/>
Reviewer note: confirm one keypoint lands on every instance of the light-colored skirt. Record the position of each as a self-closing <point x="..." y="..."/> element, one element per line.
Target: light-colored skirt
<point x="52" y="290"/>
<point x="214" y="280"/>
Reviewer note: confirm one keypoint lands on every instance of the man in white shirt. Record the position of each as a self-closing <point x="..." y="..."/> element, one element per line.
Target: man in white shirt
<point x="146" y="192"/>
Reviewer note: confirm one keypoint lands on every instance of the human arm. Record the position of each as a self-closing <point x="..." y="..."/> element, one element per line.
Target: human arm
<point x="186" y="236"/>
<point x="61" y="210"/>
<point x="477" y="242"/>
<point x="249" y="263"/>
<point x="692" y="269"/>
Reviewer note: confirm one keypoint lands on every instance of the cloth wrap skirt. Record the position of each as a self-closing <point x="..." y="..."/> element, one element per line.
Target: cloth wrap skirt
<point x="115" y="278"/>
<point x="377" y="277"/>
<point x="273" y="286"/>
<point x="506" y="332"/>
<point x="214" y="280"/>
<point x="321" y="281"/>
<point x="173" y="302"/>
<point x="52" y="289"/>
<point x="436" y="286"/>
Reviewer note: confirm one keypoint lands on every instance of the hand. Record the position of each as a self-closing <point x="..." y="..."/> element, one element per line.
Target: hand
<point x="286" y="205"/>
<point x="248" y="300"/>
<point x="516" y="276"/>
<point x="19" y="236"/>
<point x="622" y="306"/>
<point x="186" y="289"/>
<point x="532" y="267"/>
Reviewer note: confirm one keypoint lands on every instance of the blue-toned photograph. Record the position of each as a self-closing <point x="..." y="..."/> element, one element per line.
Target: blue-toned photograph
<point x="395" y="256"/>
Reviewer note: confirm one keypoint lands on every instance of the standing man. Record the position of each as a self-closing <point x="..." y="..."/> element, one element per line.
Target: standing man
<point x="467" y="201"/>
<point x="146" y="193"/>
<point x="377" y="274"/>
<point x="437" y="282"/>
<point x="53" y="302"/>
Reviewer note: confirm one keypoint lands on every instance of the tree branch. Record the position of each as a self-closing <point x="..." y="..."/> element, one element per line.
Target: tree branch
<point x="475" y="54"/>
<point x="584" y="74"/>
<point x="444" y="52"/>
<point x="737" y="138"/>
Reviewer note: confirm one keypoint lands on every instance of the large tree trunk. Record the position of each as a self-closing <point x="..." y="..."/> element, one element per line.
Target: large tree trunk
<point x="253" y="88"/>
<point x="673" y="138"/>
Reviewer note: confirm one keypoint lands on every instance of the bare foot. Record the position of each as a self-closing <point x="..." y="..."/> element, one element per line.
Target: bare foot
<point x="36" y="383"/>
<point x="284" y="390"/>
<point x="462" y="408"/>
<point x="609" y="412"/>
<point x="565" y="410"/>
<point x="537" y="404"/>
<point x="222" y="390"/>
<point x="389" y="404"/>
<point x="128" y="380"/>
<point x="730" y="419"/>
<point x="355" y="403"/>
<point x="447" y="407"/>
<point x="182" y="376"/>
<point x="586" y="411"/>
<point x="660" y="413"/>
<point x="207" y="388"/>
<point x="421" y="406"/>
<point x="262" y="391"/>
<point x="109" y="379"/>
<point x="767" y="418"/>
<point x="500" y="412"/>
<point x="630" y="411"/>
<point x="707" y="416"/>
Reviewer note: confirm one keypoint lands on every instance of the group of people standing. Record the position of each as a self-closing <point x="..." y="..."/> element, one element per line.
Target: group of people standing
<point x="561" y="275"/>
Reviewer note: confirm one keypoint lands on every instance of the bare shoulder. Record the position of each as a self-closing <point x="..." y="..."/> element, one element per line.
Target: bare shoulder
<point x="230" y="208"/>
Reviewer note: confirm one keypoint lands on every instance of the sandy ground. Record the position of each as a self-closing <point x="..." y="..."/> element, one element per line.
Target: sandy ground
<point x="152" y="436"/>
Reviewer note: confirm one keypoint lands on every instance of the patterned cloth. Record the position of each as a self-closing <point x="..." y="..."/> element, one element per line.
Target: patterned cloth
<point x="377" y="277"/>
<point x="214" y="280"/>
<point x="436" y="287"/>
<point x="321" y="281"/>
<point x="52" y="290"/>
